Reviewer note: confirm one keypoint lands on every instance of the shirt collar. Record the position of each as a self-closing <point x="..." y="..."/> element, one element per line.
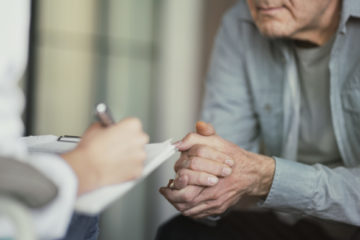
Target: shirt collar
<point x="350" y="8"/>
<point x="244" y="11"/>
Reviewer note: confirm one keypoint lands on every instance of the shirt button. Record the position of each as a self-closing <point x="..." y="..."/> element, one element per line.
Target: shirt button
<point x="268" y="108"/>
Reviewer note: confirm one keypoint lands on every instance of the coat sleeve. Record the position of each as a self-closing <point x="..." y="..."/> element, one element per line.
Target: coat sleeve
<point x="50" y="221"/>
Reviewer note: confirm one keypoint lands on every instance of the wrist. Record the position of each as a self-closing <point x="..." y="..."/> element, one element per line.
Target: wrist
<point x="265" y="176"/>
<point x="77" y="160"/>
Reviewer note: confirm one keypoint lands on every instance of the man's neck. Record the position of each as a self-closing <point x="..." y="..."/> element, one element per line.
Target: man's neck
<point x="324" y="28"/>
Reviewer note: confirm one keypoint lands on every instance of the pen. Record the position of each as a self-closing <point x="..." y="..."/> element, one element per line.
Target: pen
<point x="103" y="115"/>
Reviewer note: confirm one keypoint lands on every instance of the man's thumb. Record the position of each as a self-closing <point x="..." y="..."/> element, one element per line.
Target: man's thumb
<point x="205" y="129"/>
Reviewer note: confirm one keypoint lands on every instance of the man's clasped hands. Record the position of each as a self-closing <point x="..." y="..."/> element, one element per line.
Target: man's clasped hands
<point x="213" y="174"/>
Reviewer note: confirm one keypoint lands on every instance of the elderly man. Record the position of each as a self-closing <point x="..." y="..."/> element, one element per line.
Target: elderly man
<point x="284" y="81"/>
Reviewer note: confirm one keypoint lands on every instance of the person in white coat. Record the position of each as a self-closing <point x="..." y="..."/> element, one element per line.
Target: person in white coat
<point x="104" y="156"/>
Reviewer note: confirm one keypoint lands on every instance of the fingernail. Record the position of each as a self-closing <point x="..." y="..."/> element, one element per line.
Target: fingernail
<point x="226" y="171"/>
<point x="229" y="162"/>
<point x="213" y="180"/>
<point x="171" y="183"/>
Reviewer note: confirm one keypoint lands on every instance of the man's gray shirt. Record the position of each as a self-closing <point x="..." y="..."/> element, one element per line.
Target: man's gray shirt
<point x="317" y="142"/>
<point x="252" y="97"/>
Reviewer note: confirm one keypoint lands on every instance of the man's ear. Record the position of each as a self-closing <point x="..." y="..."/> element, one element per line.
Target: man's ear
<point x="205" y="129"/>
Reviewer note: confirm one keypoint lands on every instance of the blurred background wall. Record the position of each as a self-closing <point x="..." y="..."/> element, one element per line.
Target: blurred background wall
<point x="145" y="58"/>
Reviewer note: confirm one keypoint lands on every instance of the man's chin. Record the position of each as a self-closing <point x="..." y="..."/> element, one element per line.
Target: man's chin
<point x="274" y="31"/>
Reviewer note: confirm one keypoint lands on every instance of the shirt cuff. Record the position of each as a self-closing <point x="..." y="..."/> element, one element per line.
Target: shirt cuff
<point x="292" y="188"/>
<point x="52" y="220"/>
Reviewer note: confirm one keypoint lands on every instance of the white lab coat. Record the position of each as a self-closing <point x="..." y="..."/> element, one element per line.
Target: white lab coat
<point x="52" y="220"/>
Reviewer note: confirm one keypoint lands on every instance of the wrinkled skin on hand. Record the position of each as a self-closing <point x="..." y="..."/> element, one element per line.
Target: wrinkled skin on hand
<point x="205" y="155"/>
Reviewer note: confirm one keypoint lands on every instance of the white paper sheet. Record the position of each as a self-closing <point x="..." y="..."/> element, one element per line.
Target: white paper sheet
<point x="94" y="202"/>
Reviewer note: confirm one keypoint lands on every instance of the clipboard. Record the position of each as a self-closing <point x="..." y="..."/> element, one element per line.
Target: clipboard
<point x="94" y="202"/>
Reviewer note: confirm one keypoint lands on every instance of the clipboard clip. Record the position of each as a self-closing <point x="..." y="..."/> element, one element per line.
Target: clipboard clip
<point x="68" y="138"/>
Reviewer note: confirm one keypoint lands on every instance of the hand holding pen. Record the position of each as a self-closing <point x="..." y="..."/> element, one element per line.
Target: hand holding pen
<point x="106" y="156"/>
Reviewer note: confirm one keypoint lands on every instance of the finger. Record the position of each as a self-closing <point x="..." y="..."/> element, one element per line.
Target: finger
<point x="210" y="153"/>
<point x="180" y="182"/>
<point x="193" y="138"/>
<point x="95" y="125"/>
<point x="189" y="177"/>
<point x="185" y="195"/>
<point x="180" y="206"/>
<point x="144" y="139"/>
<point x="208" y="166"/>
<point x="181" y="162"/>
<point x="215" y="210"/>
<point x="211" y="207"/>
<point x="92" y="130"/>
<point x="217" y="193"/>
<point x="170" y="194"/>
<point x="201" y="209"/>
<point x="130" y="123"/>
<point x="202" y="128"/>
<point x="205" y="129"/>
<point x="138" y="139"/>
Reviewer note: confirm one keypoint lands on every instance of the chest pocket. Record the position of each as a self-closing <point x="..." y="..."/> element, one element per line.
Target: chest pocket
<point x="350" y="97"/>
<point x="351" y="100"/>
<point x="351" y="106"/>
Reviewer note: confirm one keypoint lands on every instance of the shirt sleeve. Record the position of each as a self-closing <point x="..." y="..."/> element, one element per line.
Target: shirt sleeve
<point x="316" y="190"/>
<point x="52" y="220"/>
